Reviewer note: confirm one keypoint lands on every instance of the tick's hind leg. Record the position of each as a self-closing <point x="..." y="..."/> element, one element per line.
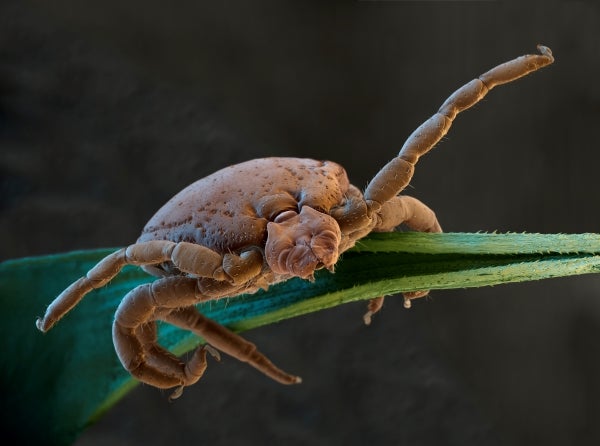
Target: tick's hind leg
<point x="159" y="362"/>
<point x="416" y="216"/>
<point x="172" y="300"/>
<point x="228" y="342"/>
<point x="134" y="333"/>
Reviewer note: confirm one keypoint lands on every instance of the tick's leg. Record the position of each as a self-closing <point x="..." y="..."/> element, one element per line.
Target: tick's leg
<point x="418" y="217"/>
<point x="381" y="193"/>
<point x="134" y="333"/>
<point x="97" y="277"/>
<point x="160" y="360"/>
<point x="171" y="299"/>
<point x="198" y="260"/>
<point x="396" y="175"/>
<point x="408" y="211"/>
<point x="373" y="307"/>
<point x="187" y="257"/>
<point x="228" y="342"/>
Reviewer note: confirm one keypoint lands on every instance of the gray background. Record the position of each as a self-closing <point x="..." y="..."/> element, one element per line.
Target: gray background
<point x="109" y="108"/>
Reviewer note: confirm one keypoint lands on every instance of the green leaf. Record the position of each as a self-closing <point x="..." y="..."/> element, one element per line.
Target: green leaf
<point x="59" y="382"/>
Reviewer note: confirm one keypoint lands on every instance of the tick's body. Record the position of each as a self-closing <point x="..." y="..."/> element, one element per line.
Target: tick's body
<point x="250" y="225"/>
<point x="228" y="211"/>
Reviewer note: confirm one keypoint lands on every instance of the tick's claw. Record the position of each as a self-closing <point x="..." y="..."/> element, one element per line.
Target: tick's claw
<point x="212" y="351"/>
<point x="177" y="393"/>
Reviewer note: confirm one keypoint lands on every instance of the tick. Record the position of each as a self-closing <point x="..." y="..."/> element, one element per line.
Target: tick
<point x="254" y="224"/>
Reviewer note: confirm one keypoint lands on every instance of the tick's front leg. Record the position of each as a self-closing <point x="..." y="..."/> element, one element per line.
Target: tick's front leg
<point x="396" y="175"/>
<point x="381" y="195"/>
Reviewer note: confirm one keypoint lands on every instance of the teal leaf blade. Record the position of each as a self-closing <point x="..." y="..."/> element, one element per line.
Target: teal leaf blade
<point x="71" y="374"/>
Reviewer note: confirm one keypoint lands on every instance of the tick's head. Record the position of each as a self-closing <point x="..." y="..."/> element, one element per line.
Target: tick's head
<point x="300" y="243"/>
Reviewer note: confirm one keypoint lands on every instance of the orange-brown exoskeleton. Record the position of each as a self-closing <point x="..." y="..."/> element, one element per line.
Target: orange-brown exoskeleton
<point x="254" y="224"/>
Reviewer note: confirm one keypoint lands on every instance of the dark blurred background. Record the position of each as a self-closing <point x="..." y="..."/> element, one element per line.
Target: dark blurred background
<point x="108" y="108"/>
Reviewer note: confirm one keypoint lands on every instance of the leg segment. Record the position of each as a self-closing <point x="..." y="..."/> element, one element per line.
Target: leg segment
<point x="409" y="211"/>
<point x="396" y="175"/>
<point x="171" y="300"/>
<point x="418" y="217"/>
<point x="190" y="258"/>
<point x="134" y="333"/>
<point x="228" y="342"/>
<point x="97" y="277"/>
<point x="198" y="260"/>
